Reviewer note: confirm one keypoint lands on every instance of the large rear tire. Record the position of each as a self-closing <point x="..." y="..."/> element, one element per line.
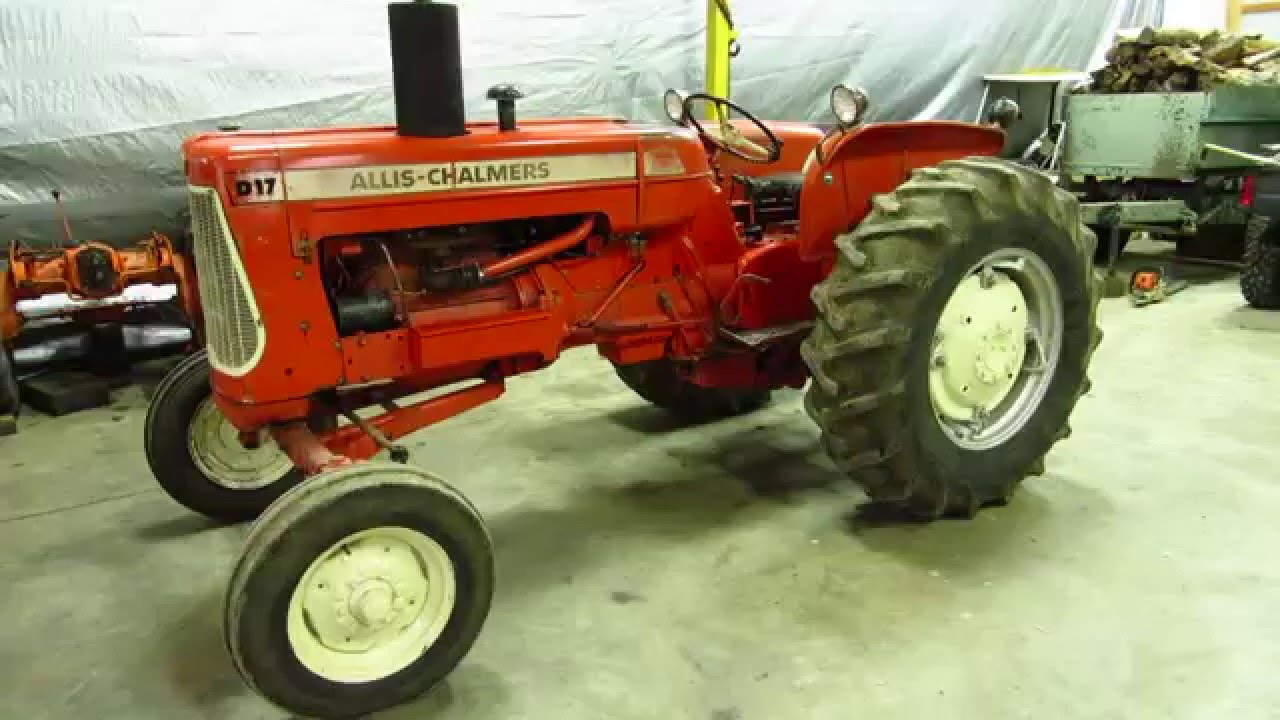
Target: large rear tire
<point x="195" y="454"/>
<point x="940" y="423"/>
<point x="358" y="590"/>
<point x="661" y="383"/>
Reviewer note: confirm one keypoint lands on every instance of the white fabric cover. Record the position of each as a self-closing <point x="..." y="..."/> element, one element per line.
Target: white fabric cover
<point x="95" y="97"/>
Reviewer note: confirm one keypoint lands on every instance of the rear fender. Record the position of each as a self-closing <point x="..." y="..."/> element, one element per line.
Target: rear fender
<point x="872" y="159"/>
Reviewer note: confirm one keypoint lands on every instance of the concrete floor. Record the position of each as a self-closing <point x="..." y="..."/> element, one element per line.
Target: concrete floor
<point x="722" y="573"/>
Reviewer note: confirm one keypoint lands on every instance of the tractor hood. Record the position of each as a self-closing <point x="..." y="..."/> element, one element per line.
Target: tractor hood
<point x="368" y="162"/>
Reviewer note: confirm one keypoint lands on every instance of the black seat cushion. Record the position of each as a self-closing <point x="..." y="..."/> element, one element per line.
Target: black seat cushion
<point x="773" y="191"/>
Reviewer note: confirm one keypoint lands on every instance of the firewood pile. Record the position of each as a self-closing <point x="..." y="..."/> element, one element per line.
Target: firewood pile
<point x="1183" y="60"/>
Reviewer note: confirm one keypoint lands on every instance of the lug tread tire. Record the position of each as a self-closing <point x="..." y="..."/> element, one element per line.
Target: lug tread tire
<point x="660" y="383"/>
<point x="1260" y="277"/>
<point x="869" y="349"/>
<point x="169" y="415"/>
<point x="306" y="521"/>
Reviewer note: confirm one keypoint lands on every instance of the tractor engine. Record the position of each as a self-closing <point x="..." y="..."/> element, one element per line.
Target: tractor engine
<point x="381" y="281"/>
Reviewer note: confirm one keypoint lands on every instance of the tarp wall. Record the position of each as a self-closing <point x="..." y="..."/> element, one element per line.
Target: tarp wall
<point x="95" y="97"/>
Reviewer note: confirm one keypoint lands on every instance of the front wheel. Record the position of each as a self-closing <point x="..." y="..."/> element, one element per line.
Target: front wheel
<point x="196" y="455"/>
<point x="954" y="336"/>
<point x="358" y="590"/>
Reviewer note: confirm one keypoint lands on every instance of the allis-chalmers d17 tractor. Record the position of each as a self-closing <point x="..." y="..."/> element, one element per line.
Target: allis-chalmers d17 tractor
<point x="940" y="304"/>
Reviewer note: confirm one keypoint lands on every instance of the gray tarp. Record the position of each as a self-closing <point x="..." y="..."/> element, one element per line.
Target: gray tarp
<point x="95" y="97"/>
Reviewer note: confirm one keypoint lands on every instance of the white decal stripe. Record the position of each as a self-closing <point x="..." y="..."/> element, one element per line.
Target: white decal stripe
<point x="375" y="180"/>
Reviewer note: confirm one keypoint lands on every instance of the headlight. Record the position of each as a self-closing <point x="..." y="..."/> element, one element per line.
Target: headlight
<point x="848" y="104"/>
<point x="673" y="104"/>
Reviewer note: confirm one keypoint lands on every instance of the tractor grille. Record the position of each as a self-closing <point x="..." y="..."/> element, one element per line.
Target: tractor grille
<point x="232" y="325"/>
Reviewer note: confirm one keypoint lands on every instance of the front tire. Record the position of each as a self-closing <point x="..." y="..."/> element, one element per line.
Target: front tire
<point x="358" y="590"/>
<point x="196" y="456"/>
<point x="935" y="423"/>
<point x="661" y="383"/>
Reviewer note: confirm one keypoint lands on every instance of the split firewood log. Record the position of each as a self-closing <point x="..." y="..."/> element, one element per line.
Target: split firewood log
<point x="1185" y="60"/>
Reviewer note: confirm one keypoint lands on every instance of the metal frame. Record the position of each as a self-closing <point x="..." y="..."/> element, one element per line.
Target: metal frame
<point x="1237" y="9"/>
<point x="722" y="40"/>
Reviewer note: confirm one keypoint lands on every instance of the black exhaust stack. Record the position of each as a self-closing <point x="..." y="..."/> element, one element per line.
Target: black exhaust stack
<point x="426" y="69"/>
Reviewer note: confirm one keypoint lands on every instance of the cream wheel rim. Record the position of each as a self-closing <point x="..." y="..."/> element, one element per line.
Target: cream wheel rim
<point x="217" y="452"/>
<point x="371" y="605"/>
<point x="995" y="348"/>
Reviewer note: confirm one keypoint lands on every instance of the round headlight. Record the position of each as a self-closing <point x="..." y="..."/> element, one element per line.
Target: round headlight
<point x="673" y="104"/>
<point x="848" y="104"/>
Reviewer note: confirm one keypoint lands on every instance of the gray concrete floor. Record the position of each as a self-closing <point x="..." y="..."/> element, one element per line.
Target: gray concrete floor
<point x="721" y="573"/>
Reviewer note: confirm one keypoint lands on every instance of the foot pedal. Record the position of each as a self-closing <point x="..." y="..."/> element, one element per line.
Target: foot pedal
<point x="8" y="425"/>
<point x="756" y="338"/>
<point x="60" y="393"/>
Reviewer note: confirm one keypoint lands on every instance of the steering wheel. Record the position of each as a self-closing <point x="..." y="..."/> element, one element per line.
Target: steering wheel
<point x="726" y="137"/>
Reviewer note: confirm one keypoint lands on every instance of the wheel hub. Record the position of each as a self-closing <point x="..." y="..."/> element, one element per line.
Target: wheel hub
<point x="979" y="346"/>
<point x="371" y="603"/>
<point x="217" y="452"/>
<point x="364" y="594"/>
<point x="995" y="348"/>
<point x="999" y="357"/>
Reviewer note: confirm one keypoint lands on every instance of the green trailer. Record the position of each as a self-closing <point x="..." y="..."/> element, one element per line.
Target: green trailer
<point x="1179" y="166"/>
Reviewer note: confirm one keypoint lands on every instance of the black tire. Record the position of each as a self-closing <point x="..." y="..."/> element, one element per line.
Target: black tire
<point x="661" y="383"/>
<point x="168" y="451"/>
<point x="305" y="523"/>
<point x="1260" y="278"/>
<point x="869" y="353"/>
<point x="10" y="395"/>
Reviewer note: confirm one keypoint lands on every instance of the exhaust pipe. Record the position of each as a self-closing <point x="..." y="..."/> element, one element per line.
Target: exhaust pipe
<point x="426" y="69"/>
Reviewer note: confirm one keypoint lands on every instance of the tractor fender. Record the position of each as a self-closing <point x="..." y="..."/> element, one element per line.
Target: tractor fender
<point x="848" y="168"/>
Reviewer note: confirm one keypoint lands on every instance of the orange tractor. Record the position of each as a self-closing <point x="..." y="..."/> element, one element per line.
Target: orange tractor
<point x="939" y="303"/>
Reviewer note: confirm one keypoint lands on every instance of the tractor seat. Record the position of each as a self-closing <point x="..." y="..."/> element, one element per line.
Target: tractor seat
<point x="773" y="198"/>
<point x="770" y="191"/>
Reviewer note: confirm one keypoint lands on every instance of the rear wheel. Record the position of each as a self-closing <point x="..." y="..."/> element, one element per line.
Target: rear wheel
<point x="1260" y="278"/>
<point x="661" y="383"/>
<point x="954" y="336"/>
<point x="196" y="454"/>
<point x="358" y="590"/>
